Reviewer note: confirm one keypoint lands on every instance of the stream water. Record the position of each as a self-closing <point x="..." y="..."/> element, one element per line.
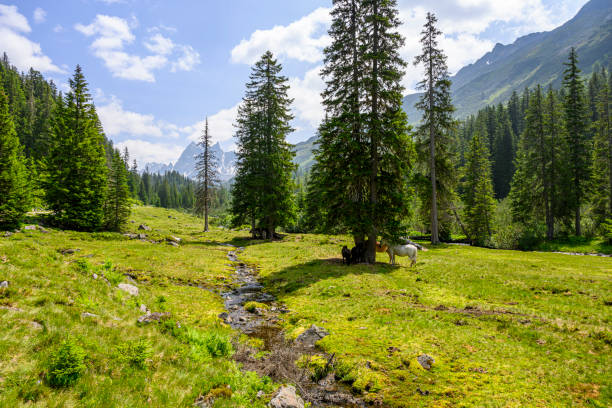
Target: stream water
<point x="280" y="354"/>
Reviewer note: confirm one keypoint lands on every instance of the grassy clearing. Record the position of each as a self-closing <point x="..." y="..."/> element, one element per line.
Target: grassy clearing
<point x="68" y="339"/>
<point x="506" y="328"/>
<point x="576" y="244"/>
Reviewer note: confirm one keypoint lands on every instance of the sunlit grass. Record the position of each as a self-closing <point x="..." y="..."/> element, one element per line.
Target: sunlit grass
<point x="506" y="328"/>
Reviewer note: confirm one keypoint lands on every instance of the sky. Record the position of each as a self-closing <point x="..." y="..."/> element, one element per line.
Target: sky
<point x="157" y="68"/>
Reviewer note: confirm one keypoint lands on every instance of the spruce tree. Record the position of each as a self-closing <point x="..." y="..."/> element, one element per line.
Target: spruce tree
<point x="363" y="155"/>
<point x="15" y="195"/>
<point x="264" y="156"/>
<point x="531" y="187"/>
<point x="503" y="154"/>
<point x="435" y="131"/>
<point x="478" y="190"/>
<point x="555" y="173"/>
<point x="76" y="182"/>
<point x="207" y="178"/>
<point x="579" y="150"/>
<point x="602" y="155"/>
<point x="117" y="203"/>
<point x="339" y="177"/>
<point x="386" y="123"/>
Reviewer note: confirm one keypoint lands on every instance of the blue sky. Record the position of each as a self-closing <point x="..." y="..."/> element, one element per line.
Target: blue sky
<point x="157" y="68"/>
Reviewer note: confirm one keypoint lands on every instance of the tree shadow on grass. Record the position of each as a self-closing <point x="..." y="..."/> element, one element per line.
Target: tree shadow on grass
<point x="296" y="277"/>
<point x="240" y="242"/>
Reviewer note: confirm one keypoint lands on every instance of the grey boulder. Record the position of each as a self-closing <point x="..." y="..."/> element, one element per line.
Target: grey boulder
<point x="286" y="397"/>
<point x="312" y="335"/>
<point x="126" y="287"/>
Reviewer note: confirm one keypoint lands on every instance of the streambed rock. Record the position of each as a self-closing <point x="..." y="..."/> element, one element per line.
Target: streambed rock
<point x="153" y="317"/>
<point x="425" y="361"/>
<point x="126" y="287"/>
<point x="312" y="335"/>
<point x="286" y="398"/>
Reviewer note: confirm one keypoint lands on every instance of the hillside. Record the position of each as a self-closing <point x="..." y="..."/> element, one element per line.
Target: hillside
<point x="533" y="59"/>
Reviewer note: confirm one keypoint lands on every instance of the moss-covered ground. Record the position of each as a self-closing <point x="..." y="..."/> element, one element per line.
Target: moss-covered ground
<point x="127" y="364"/>
<point x="505" y="328"/>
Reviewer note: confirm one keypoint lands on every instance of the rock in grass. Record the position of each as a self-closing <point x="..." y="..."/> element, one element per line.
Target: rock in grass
<point x="126" y="287"/>
<point x="143" y="227"/>
<point x="153" y="317"/>
<point x="144" y="309"/>
<point x="286" y="397"/>
<point x="312" y="335"/>
<point x="4" y="284"/>
<point x="87" y="314"/>
<point x="425" y="361"/>
<point x="173" y="239"/>
<point x="174" y="244"/>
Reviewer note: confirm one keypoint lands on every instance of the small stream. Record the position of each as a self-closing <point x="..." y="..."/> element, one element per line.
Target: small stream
<point x="280" y="353"/>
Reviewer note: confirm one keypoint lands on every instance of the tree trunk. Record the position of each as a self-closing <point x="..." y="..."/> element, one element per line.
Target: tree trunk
<point x="206" y="208"/>
<point x="371" y="249"/>
<point x="435" y="239"/>
<point x="610" y="164"/>
<point x="577" y="222"/>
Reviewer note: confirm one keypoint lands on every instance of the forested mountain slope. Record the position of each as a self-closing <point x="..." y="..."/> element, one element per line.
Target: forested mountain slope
<point x="533" y="59"/>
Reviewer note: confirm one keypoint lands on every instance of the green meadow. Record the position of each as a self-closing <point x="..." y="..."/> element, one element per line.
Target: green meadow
<point x="505" y="328"/>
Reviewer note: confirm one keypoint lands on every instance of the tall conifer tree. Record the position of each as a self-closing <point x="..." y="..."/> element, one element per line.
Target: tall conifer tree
<point x="340" y="173"/>
<point x="363" y="157"/>
<point x="117" y="203"/>
<point x="602" y="155"/>
<point x="437" y="124"/>
<point x="264" y="156"/>
<point x="76" y="182"/>
<point x="15" y="198"/>
<point x="207" y="176"/>
<point x="578" y="144"/>
<point x="478" y="190"/>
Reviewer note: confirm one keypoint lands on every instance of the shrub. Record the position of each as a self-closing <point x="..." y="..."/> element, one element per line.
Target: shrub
<point x="110" y="273"/>
<point x="507" y="236"/>
<point x="82" y="266"/>
<point x="317" y="366"/>
<point x="161" y="302"/>
<point x="253" y="306"/>
<point x="217" y="345"/>
<point x="213" y="343"/>
<point x="606" y="228"/>
<point x="66" y="364"/>
<point x="135" y="353"/>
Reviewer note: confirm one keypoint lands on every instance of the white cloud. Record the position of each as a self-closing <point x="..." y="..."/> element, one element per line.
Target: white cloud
<point x="307" y="97"/>
<point x="58" y="28"/>
<point x="467" y="26"/>
<point x="302" y="40"/>
<point x="113" y="34"/>
<point x="220" y="126"/>
<point x="23" y="52"/>
<point x="187" y="61"/>
<point x="146" y="152"/>
<point x="40" y="15"/>
<point x="160" y="44"/>
<point x="118" y="121"/>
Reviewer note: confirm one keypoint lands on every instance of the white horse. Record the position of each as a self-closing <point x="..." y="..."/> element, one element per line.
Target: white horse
<point x="402" y="250"/>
